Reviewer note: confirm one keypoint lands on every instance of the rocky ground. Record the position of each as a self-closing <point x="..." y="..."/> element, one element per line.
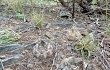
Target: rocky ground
<point x="53" y="46"/>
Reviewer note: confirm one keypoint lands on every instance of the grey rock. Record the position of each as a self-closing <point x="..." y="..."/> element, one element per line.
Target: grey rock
<point x="82" y="25"/>
<point x="2" y="56"/>
<point x="93" y="26"/>
<point x="11" y="60"/>
<point x="62" y="66"/>
<point x="30" y="46"/>
<point x="64" y="14"/>
<point x="92" y="67"/>
<point x="48" y="35"/>
<point x="11" y="49"/>
<point x="2" y="18"/>
<point x="30" y="65"/>
<point x="72" y="67"/>
<point x="65" y="68"/>
<point x="24" y="27"/>
<point x="63" y="24"/>
<point x="62" y="56"/>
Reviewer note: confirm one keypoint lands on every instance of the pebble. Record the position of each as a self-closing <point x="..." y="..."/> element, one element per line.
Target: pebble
<point x="65" y="68"/>
<point x="72" y="66"/>
<point x="30" y="65"/>
<point x="2" y="56"/>
<point x="62" y="56"/>
<point x="48" y="34"/>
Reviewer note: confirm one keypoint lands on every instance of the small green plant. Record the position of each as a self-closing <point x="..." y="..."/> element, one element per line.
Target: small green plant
<point x="38" y="19"/>
<point x="20" y="16"/>
<point x="86" y="46"/>
<point x="15" y="6"/>
<point x="19" y="7"/>
<point x="7" y="37"/>
<point x="107" y="31"/>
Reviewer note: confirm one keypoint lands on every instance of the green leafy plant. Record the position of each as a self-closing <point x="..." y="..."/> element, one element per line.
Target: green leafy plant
<point x="38" y="19"/>
<point x="107" y="31"/>
<point x="86" y="46"/>
<point x="20" y="16"/>
<point x="19" y="7"/>
<point x="7" y="37"/>
<point x="15" y="6"/>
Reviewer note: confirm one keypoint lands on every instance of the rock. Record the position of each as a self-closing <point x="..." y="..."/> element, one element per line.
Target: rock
<point x="62" y="66"/>
<point x="2" y="56"/>
<point x="92" y="26"/>
<point x="63" y="24"/>
<point x="11" y="49"/>
<point x="30" y="65"/>
<point x="44" y="49"/>
<point x="71" y="60"/>
<point x="107" y="40"/>
<point x="64" y="14"/>
<point x="92" y="67"/>
<point x="65" y="68"/>
<point x="30" y="46"/>
<point x="75" y="33"/>
<point x="11" y="60"/>
<point x="45" y="25"/>
<point x="108" y="59"/>
<point x="24" y="27"/>
<point x="48" y="35"/>
<point x="62" y="56"/>
<point x="72" y="67"/>
<point x="69" y="35"/>
<point x="81" y="25"/>
<point x="2" y="17"/>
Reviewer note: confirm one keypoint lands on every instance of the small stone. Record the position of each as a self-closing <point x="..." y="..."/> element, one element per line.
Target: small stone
<point x="69" y="35"/>
<point x="11" y="60"/>
<point x="64" y="41"/>
<point x="64" y="14"/>
<point x="24" y="52"/>
<point x="76" y="68"/>
<point x="62" y="56"/>
<point x="48" y="25"/>
<point x="11" y="49"/>
<point x="30" y="65"/>
<point x="62" y="66"/>
<point x="92" y="66"/>
<point x="107" y="40"/>
<point x="2" y="56"/>
<point x="108" y="59"/>
<point x="48" y="34"/>
<point x="2" y="18"/>
<point x="72" y="67"/>
<point x="57" y="28"/>
<point x="65" y="68"/>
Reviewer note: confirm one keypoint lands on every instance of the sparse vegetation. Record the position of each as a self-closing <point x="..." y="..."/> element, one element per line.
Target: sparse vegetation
<point x="7" y="36"/>
<point x="86" y="45"/>
<point x="38" y="19"/>
<point x="107" y="31"/>
<point x="72" y="29"/>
